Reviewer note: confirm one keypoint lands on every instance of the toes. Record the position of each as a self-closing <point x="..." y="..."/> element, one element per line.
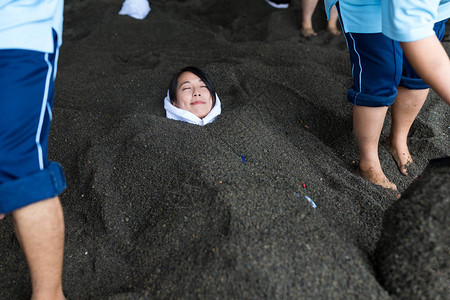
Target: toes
<point x="308" y="32"/>
<point x="378" y="178"/>
<point x="334" y="31"/>
<point x="410" y="169"/>
<point x="390" y="185"/>
<point x="404" y="161"/>
<point x="403" y="170"/>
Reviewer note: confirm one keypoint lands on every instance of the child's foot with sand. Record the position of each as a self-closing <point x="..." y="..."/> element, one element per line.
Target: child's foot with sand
<point x="307" y="29"/>
<point x="308" y="32"/>
<point x="402" y="158"/>
<point x="376" y="176"/>
<point x="333" y="30"/>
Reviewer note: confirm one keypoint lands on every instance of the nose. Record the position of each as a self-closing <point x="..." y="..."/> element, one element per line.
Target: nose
<point x="197" y="92"/>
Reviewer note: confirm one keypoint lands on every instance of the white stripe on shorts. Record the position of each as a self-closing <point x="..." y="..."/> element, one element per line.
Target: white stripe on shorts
<point x="43" y="108"/>
<point x="360" y="66"/>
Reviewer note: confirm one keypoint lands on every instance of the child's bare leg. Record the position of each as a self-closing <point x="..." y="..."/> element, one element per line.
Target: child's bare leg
<point x="367" y="123"/>
<point x="404" y="111"/>
<point x="40" y="231"/>
<point x="333" y="21"/>
<point x="308" y="7"/>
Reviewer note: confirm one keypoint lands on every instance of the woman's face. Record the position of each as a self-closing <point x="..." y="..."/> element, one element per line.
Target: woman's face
<point x="193" y="95"/>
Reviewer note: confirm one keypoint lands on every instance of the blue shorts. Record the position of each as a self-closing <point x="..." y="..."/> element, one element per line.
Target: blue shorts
<point x="26" y="99"/>
<point x="378" y="67"/>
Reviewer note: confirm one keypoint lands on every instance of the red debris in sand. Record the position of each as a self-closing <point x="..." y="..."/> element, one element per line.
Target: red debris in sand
<point x="304" y="185"/>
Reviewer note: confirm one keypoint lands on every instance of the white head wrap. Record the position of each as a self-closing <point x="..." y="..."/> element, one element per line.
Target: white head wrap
<point x="175" y="113"/>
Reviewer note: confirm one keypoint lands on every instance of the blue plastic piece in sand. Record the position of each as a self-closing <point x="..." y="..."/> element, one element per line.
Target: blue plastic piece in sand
<point x="307" y="198"/>
<point x="311" y="202"/>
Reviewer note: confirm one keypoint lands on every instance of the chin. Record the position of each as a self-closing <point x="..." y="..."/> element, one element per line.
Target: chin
<point x="201" y="115"/>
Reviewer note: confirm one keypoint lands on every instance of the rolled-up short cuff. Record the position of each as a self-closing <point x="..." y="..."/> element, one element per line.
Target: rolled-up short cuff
<point x="361" y="99"/>
<point x="413" y="83"/>
<point x="42" y="185"/>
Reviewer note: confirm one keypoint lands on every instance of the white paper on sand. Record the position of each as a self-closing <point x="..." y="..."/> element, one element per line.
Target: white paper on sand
<point x="137" y="9"/>
<point x="178" y="114"/>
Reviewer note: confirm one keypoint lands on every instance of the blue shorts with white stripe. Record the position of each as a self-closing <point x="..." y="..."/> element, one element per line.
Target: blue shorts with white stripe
<point x="379" y="66"/>
<point x="26" y="100"/>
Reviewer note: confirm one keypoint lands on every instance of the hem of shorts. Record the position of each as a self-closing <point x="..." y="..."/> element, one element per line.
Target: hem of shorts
<point x="38" y="186"/>
<point x="413" y="83"/>
<point x="361" y="99"/>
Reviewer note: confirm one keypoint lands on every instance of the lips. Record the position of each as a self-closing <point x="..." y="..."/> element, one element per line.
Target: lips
<point x="197" y="102"/>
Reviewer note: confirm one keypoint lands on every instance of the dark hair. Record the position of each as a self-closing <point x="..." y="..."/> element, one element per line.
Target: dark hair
<point x="200" y="73"/>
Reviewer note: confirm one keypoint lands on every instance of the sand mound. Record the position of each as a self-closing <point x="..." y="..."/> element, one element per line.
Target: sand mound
<point x="413" y="251"/>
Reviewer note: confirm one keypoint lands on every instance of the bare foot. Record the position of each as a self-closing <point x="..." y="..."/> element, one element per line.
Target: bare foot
<point x="377" y="177"/>
<point x="308" y="31"/>
<point x="402" y="158"/>
<point x="334" y="30"/>
<point x="2" y="216"/>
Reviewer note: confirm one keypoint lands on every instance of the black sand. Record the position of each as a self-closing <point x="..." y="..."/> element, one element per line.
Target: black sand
<point x="160" y="209"/>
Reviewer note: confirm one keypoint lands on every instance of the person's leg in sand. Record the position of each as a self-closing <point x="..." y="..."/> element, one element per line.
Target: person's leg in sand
<point x="40" y="231"/>
<point x="368" y="123"/>
<point x="404" y="111"/>
<point x="376" y="70"/>
<point x="410" y="99"/>
<point x="29" y="182"/>
<point x="332" y="26"/>
<point x="308" y="7"/>
<point x="307" y="29"/>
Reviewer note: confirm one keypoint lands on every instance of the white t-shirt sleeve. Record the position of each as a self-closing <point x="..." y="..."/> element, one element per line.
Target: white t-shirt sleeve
<point x="409" y="20"/>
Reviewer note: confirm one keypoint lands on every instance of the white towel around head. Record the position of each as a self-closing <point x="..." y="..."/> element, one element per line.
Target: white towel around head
<point x="175" y="113"/>
<point x="137" y="9"/>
